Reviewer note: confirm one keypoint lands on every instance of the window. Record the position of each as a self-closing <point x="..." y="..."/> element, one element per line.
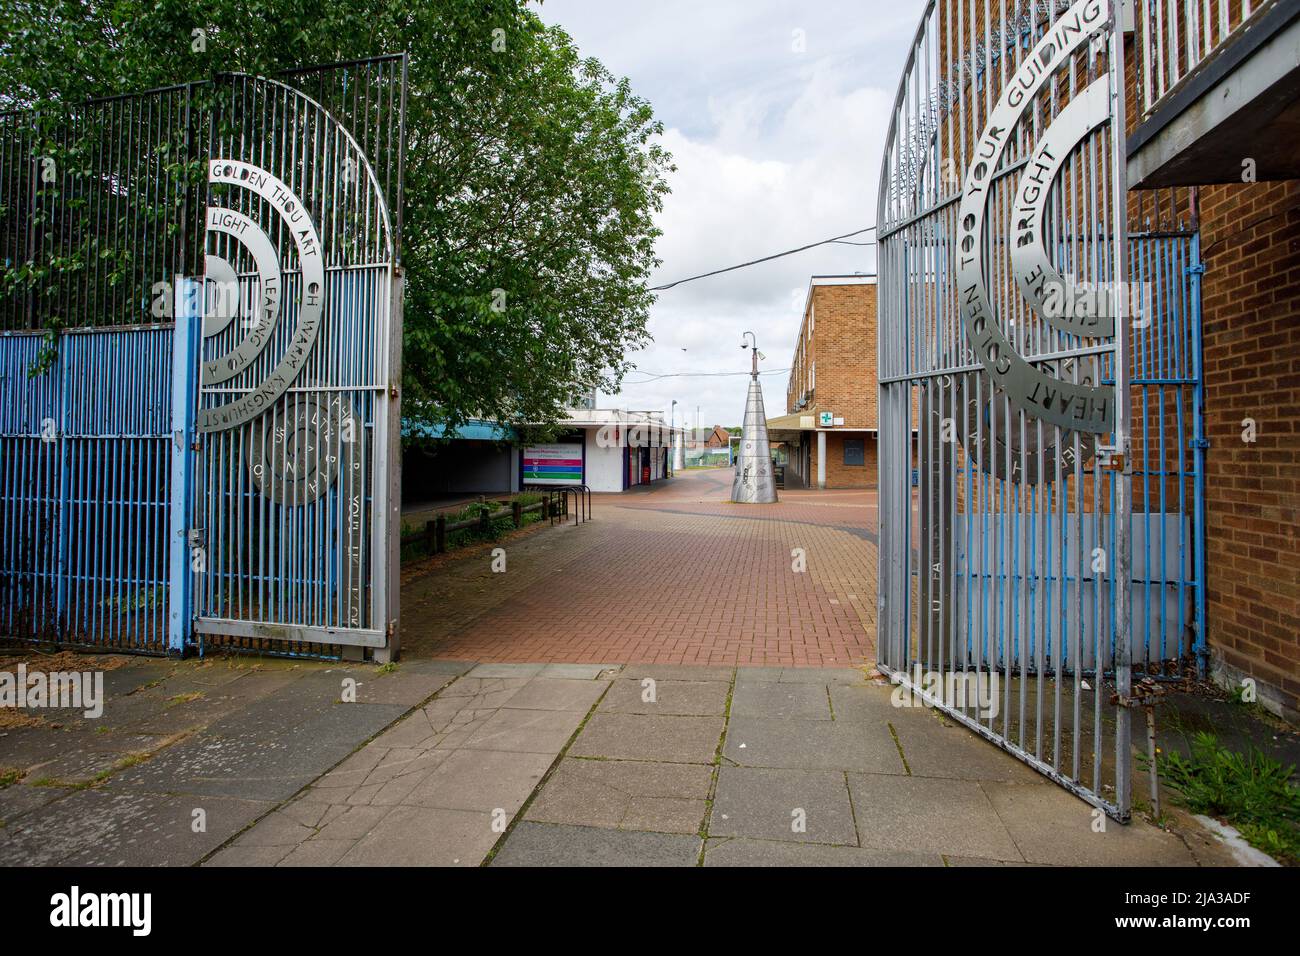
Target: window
<point x="855" y="451"/>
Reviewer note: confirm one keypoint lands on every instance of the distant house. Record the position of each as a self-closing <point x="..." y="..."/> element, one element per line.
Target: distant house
<point x="718" y="438"/>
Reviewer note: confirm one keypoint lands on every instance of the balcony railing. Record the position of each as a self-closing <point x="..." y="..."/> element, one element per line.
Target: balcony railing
<point x="1175" y="37"/>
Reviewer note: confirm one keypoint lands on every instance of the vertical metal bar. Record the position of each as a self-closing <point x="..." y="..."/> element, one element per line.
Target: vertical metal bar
<point x="1199" y="445"/>
<point x="189" y="316"/>
<point x="1122" y="439"/>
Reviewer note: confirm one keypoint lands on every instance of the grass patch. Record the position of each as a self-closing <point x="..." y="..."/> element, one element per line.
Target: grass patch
<point x="389" y="668"/>
<point x="9" y="776"/>
<point x="184" y="698"/>
<point x="1251" y="791"/>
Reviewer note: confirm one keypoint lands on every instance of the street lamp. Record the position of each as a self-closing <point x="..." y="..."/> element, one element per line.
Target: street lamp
<point x="757" y="354"/>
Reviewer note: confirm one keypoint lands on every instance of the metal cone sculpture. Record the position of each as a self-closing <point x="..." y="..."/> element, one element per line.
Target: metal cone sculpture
<point x="754" y="482"/>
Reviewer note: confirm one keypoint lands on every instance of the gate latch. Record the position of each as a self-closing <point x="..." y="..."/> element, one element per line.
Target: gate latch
<point x="1110" y="457"/>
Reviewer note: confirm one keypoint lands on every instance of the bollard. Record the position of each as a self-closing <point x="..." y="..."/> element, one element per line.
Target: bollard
<point x="517" y="508"/>
<point x="440" y="535"/>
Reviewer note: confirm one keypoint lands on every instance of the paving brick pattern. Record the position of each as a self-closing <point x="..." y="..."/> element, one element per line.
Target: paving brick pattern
<point x="672" y="575"/>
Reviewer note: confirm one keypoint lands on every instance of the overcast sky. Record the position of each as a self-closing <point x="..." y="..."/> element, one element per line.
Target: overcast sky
<point x="775" y="148"/>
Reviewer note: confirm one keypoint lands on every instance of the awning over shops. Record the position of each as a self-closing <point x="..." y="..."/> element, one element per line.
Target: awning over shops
<point x="472" y="430"/>
<point x="788" y="427"/>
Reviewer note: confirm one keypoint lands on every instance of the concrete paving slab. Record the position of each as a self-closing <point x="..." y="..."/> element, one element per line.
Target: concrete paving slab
<point x="822" y="675"/>
<point x="525" y="731"/>
<point x="276" y="829"/>
<point x="980" y="861"/>
<point x="22" y="748"/>
<point x="558" y="693"/>
<point x="506" y="670"/>
<point x="1050" y="826"/>
<point x="249" y="856"/>
<point x="353" y="823"/>
<point x="272" y="716"/>
<point x="680" y="672"/>
<point x="221" y="766"/>
<point x="411" y="773"/>
<point x="811" y="745"/>
<point x="77" y="764"/>
<point x="773" y="699"/>
<point x="757" y="674"/>
<point x="121" y="742"/>
<point x="318" y="853"/>
<point x="769" y="804"/>
<point x="482" y="780"/>
<point x="170" y="715"/>
<point x="545" y="844"/>
<point x="738" y="851"/>
<point x="122" y="828"/>
<point x="865" y="704"/>
<point x="349" y="723"/>
<point x="484" y="692"/>
<point x="671" y="698"/>
<point x="929" y="815"/>
<point x="633" y="795"/>
<point x="19" y="798"/>
<point x="649" y="737"/>
<point x="934" y="748"/>
<point x="412" y="683"/>
<point x="425" y="836"/>
<point x="580" y="671"/>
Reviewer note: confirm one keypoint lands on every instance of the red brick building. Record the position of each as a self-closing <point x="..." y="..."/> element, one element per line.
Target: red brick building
<point x="1221" y="126"/>
<point x="829" y="429"/>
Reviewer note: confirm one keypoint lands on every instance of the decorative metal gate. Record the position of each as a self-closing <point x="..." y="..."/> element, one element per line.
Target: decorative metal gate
<point x="1037" y="398"/>
<point x="226" y="472"/>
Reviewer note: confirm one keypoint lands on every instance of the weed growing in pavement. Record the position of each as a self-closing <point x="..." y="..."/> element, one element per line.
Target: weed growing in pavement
<point x="1251" y="791"/>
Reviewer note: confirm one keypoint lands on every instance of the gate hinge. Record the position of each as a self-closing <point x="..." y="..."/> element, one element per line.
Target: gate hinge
<point x="1196" y="269"/>
<point x="392" y="391"/>
<point x="1198" y="444"/>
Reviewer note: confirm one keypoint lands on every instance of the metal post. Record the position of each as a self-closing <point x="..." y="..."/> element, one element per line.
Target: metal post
<point x="388" y="499"/>
<point x="1123" y="427"/>
<point x="185" y="339"/>
<point x="1199" y="445"/>
<point x="821" y="460"/>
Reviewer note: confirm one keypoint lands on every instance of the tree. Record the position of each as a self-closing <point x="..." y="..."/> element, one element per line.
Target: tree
<point x="532" y="174"/>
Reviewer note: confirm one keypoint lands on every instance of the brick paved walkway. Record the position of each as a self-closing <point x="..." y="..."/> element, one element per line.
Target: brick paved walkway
<point x="671" y="575"/>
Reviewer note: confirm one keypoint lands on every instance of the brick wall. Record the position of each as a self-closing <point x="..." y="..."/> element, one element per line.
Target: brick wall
<point x="837" y="344"/>
<point x="1250" y="241"/>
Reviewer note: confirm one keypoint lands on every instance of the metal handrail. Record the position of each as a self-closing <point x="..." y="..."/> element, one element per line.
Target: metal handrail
<point x="1173" y="38"/>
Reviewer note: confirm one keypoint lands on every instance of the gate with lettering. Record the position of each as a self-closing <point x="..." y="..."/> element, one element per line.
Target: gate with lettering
<point x="1039" y="366"/>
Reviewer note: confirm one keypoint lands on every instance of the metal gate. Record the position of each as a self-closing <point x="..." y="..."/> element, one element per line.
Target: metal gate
<point x="199" y="365"/>
<point x="1037" y="398"/>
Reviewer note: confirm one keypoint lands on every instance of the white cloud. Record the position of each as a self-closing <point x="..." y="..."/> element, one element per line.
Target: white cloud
<point x="774" y="149"/>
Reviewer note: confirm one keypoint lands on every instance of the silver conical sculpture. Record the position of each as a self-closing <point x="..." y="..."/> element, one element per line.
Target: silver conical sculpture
<point x="754" y="482"/>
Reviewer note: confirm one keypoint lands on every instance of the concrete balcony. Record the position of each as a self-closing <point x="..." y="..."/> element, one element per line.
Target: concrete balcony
<point x="1218" y="92"/>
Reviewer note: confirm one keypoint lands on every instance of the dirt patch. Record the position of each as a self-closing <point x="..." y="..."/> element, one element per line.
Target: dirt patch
<point x="11" y="719"/>
<point x="63" y="661"/>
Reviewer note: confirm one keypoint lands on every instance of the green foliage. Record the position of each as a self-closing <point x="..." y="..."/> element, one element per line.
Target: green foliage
<point x="532" y="174"/>
<point x="1252" y="791"/>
